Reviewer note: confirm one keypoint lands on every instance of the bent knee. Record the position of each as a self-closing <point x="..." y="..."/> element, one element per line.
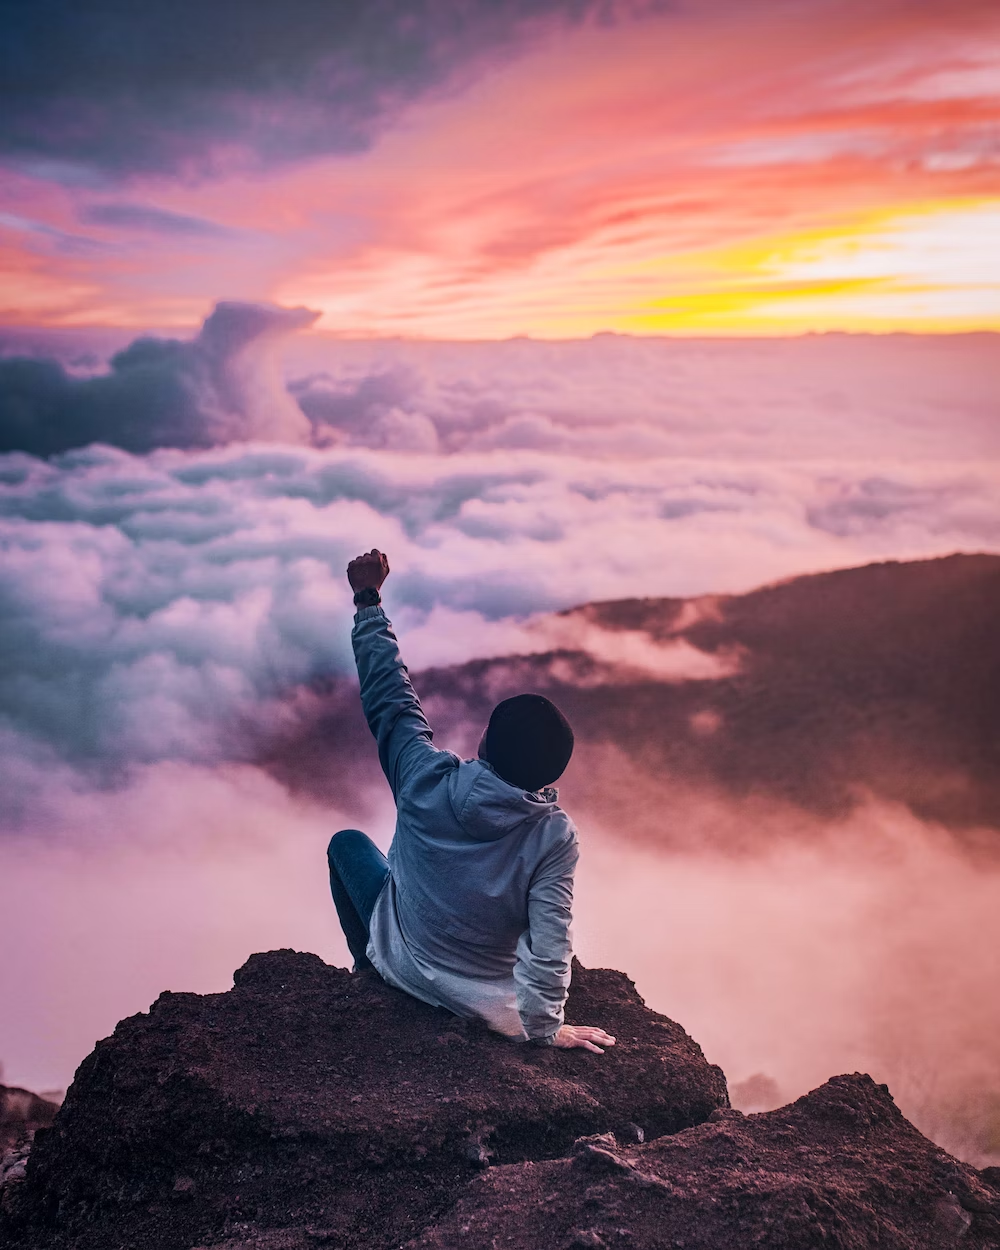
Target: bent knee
<point x="343" y="840"/>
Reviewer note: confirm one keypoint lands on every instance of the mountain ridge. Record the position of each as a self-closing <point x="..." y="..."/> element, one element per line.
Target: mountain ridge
<point x="885" y="678"/>
<point x="880" y="682"/>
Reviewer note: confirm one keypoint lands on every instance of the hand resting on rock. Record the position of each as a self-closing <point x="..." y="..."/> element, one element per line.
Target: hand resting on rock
<point x="572" y="1036"/>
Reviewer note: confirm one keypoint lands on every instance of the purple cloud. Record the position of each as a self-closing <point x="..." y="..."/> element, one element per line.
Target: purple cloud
<point x="149" y="220"/>
<point x="184" y="87"/>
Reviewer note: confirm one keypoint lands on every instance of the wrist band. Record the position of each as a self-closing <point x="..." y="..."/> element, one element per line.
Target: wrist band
<point x="367" y="597"/>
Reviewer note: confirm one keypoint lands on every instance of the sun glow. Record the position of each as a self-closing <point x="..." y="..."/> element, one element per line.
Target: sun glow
<point x="932" y="267"/>
<point x="927" y="268"/>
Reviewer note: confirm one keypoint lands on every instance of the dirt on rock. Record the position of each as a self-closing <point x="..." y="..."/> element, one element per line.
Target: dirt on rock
<point x="311" y="1106"/>
<point x="839" y="1169"/>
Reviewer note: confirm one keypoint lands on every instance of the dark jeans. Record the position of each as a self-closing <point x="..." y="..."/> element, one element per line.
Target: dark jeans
<point x="358" y="870"/>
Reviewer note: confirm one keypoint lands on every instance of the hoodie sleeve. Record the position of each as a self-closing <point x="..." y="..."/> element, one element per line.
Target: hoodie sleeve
<point x="544" y="950"/>
<point x="390" y="703"/>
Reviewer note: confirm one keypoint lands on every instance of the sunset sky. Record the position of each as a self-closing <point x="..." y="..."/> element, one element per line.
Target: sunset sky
<point x="458" y="169"/>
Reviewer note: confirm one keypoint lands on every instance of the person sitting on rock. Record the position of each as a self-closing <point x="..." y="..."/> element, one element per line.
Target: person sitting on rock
<point x="472" y="909"/>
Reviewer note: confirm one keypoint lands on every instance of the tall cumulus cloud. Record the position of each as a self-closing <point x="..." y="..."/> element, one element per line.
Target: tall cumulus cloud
<point x="160" y="392"/>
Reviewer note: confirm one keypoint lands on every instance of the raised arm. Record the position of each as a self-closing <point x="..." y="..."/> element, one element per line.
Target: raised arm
<point x="390" y="703"/>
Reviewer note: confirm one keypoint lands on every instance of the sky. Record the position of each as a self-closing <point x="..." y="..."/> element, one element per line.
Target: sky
<point x="462" y="169"/>
<point x="529" y="296"/>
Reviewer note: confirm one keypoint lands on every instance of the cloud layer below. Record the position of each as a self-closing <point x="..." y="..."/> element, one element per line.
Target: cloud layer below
<point x="165" y="608"/>
<point x="831" y="397"/>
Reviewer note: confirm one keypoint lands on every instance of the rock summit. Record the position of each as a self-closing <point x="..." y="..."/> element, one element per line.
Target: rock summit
<point x="309" y="1106"/>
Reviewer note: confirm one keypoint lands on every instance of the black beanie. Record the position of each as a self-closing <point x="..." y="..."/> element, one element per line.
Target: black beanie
<point x="529" y="741"/>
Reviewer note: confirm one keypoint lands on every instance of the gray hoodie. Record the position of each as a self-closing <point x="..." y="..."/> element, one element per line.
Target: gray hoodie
<point x="475" y="915"/>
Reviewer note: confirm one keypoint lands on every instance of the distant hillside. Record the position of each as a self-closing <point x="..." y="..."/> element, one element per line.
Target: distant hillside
<point x="22" y="1113"/>
<point x="883" y="679"/>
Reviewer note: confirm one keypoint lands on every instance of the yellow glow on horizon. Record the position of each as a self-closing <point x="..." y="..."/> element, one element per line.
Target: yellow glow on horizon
<point x="928" y="268"/>
<point x="931" y="268"/>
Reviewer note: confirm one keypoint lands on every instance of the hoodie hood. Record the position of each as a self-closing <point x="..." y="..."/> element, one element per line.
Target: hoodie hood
<point x="489" y="808"/>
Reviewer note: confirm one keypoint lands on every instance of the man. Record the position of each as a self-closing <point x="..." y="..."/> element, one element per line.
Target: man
<point x="472" y="909"/>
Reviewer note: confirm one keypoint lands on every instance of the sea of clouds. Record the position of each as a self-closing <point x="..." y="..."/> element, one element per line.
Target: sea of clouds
<point x="174" y="528"/>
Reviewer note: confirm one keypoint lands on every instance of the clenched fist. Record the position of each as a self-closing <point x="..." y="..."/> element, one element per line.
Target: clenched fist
<point x="369" y="570"/>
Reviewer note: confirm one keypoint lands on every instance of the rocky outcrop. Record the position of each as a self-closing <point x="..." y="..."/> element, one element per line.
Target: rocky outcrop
<point x="839" y="1169"/>
<point x="308" y="1098"/>
<point x="313" y="1107"/>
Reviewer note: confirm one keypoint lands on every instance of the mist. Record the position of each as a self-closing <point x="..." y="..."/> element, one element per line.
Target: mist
<point x="869" y="946"/>
<point x="873" y="949"/>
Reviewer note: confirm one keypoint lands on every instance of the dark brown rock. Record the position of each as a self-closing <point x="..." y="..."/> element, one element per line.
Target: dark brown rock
<point x="311" y="1107"/>
<point x="308" y="1103"/>
<point x="839" y="1169"/>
